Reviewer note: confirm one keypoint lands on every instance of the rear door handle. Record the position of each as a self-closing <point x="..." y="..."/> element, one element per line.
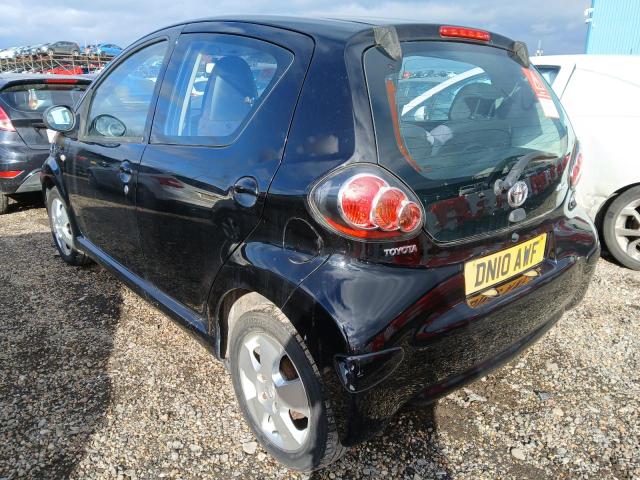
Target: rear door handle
<point x="125" y="167"/>
<point x="125" y="172"/>
<point x="245" y="191"/>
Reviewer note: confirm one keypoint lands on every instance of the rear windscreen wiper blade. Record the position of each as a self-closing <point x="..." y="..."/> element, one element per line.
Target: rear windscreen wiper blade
<point x="519" y="167"/>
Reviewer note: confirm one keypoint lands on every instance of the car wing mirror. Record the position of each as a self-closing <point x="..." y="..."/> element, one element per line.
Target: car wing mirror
<point x="109" y="126"/>
<point x="59" y="118"/>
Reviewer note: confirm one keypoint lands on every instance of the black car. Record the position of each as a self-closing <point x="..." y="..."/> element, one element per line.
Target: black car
<point x="343" y="255"/>
<point x="24" y="145"/>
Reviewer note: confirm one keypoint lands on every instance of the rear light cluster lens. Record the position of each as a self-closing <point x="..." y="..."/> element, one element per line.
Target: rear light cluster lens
<point x="576" y="170"/>
<point x="372" y="205"/>
<point x="5" y="122"/>
<point x="356" y="200"/>
<point x="368" y="202"/>
<point x="462" y="32"/>
<point x="10" y="173"/>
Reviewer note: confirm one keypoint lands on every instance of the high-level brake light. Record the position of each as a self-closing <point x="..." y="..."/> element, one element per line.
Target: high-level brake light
<point x="64" y="81"/>
<point x="462" y="32"/>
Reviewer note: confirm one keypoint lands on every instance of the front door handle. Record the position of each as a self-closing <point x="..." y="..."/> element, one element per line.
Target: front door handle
<point x="245" y="191"/>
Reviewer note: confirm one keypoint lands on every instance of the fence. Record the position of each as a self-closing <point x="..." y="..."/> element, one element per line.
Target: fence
<point x="59" y="64"/>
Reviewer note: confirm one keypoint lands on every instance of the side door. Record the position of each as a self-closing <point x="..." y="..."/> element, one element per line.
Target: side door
<point x="218" y="136"/>
<point x="102" y="164"/>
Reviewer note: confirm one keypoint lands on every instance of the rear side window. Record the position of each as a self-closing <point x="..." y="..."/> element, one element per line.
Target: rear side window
<point x="37" y="97"/>
<point x="213" y="86"/>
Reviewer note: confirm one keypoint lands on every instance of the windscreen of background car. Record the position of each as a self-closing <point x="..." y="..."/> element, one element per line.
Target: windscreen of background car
<point x="478" y="112"/>
<point x="37" y="97"/>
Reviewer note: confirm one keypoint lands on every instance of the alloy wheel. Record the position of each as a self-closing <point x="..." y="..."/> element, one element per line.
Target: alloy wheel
<point x="61" y="226"/>
<point x="627" y="229"/>
<point x="274" y="393"/>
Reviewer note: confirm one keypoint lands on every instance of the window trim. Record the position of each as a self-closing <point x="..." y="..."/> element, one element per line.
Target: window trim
<point x="156" y="139"/>
<point x="83" y="135"/>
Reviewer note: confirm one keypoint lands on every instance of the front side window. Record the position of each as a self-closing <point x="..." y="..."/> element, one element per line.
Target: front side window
<point x="121" y="103"/>
<point x="214" y="86"/>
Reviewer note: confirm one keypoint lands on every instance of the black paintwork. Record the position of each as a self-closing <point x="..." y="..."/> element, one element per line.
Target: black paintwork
<point x="382" y="330"/>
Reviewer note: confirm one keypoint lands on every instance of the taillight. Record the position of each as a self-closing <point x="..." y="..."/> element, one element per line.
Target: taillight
<point x="365" y="202"/>
<point x="5" y="122"/>
<point x="576" y="170"/>
<point x="10" y="173"/>
<point x="462" y="32"/>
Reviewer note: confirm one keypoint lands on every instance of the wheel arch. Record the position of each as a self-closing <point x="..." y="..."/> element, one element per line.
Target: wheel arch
<point x="237" y="291"/>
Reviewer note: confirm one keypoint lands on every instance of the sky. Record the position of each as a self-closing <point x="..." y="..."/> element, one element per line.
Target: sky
<point x="558" y="24"/>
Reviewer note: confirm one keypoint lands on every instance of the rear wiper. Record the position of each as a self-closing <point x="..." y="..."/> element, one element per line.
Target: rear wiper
<point x="515" y="172"/>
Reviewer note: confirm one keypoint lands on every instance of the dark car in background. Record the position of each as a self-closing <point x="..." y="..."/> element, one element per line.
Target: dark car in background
<point x="61" y="48"/>
<point x="24" y="144"/>
<point x="255" y="179"/>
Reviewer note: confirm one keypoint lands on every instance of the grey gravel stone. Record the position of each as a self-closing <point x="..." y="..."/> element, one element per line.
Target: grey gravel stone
<point x="517" y="453"/>
<point x="249" y="447"/>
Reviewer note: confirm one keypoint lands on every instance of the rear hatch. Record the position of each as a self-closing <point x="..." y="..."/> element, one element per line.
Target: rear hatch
<point x="25" y="99"/>
<point x="476" y="122"/>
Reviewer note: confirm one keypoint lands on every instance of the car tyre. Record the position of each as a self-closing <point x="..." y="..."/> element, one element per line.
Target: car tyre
<point x="259" y="381"/>
<point x="621" y="228"/>
<point x="4" y="204"/>
<point x="75" y="53"/>
<point x="62" y="230"/>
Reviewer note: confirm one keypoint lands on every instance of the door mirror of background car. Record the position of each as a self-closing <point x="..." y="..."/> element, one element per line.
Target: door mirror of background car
<point x="59" y="118"/>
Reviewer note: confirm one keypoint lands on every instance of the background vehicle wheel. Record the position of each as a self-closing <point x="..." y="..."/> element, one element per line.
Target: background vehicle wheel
<point x="75" y="53"/>
<point x="278" y="388"/>
<point x="4" y="204"/>
<point x="621" y="228"/>
<point x="62" y="231"/>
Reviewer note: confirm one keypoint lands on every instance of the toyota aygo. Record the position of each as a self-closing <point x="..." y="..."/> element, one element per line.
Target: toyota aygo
<point x="352" y="215"/>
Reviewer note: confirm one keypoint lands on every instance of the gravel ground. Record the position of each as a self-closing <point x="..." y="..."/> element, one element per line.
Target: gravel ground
<point x="95" y="383"/>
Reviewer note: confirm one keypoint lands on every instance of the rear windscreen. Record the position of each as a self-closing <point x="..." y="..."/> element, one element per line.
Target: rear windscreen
<point x="37" y="97"/>
<point x="452" y="118"/>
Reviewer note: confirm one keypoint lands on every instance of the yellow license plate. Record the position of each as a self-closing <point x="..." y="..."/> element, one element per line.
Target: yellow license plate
<point x="484" y="272"/>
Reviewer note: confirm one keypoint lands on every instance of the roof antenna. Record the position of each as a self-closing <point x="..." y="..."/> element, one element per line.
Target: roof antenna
<point x="539" y="50"/>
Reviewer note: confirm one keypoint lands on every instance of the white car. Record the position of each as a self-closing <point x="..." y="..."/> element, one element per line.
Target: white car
<point x="601" y="95"/>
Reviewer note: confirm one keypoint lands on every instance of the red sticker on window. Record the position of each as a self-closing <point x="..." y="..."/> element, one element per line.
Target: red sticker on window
<point x="540" y="89"/>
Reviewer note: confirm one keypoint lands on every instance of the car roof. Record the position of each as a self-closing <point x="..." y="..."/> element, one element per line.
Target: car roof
<point x="317" y="27"/>
<point x="17" y="78"/>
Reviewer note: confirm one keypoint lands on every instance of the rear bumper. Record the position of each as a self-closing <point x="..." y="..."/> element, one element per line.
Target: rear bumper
<point x="408" y="344"/>
<point x="28" y="160"/>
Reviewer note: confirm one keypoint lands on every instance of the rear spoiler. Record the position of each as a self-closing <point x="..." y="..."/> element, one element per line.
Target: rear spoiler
<point x="47" y="79"/>
<point x="389" y="38"/>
